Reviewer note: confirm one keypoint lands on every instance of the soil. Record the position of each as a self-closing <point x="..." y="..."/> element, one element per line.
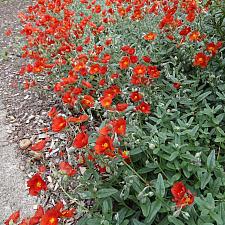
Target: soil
<point x="22" y="115"/>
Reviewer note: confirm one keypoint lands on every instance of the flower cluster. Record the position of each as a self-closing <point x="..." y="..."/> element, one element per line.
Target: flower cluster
<point x="124" y="71"/>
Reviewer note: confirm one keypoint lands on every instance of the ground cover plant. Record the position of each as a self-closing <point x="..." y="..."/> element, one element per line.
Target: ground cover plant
<point x="140" y="85"/>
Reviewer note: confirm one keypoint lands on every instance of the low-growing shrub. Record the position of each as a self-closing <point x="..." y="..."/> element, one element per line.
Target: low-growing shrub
<point x="143" y="91"/>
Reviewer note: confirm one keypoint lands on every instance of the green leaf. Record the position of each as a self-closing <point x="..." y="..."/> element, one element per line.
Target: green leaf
<point x="136" y="222"/>
<point x="136" y="151"/>
<point x="122" y="214"/>
<point x="211" y="161"/>
<point x="107" y="206"/>
<point x="194" y="130"/>
<point x="94" y="221"/>
<point x="82" y="221"/>
<point x="155" y="207"/>
<point x="86" y="195"/>
<point x="220" y="131"/>
<point x="217" y="218"/>
<point x="205" y="178"/>
<point x="160" y="187"/>
<point x="125" y="222"/>
<point x="203" y="96"/>
<point x="106" y="192"/>
<point x="175" y="221"/>
<point x="146" y="207"/>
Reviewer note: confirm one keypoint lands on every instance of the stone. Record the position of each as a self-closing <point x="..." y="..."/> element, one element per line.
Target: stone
<point x="25" y="143"/>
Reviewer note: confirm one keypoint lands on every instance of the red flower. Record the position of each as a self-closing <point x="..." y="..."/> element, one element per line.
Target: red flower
<point x="213" y="48"/>
<point x="105" y="130"/>
<point x="81" y="140"/>
<point x="201" y="60"/>
<point x="150" y="36"/>
<point x="124" y="62"/>
<point x="58" y="123"/>
<point x="67" y="168"/>
<point x="178" y="190"/>
<point x="125" y="155"/>
<point x="194" y="36"/>
<point x="140" y="70"/>
<point x="135" y="96"/>
<point x="52" y="112"/>
<point x="176" y="85"/>
<point x="94" y="69"/>
<point x="50" y="217"/>
<point x="87" y="101"/>
<point x="40" y="145"/>
<point x="68" y="213"/>
<point x="79" y="119"/>
<point x="37" y="216"/>
<point x="133" y="58"/>
<point x="146" y="58"/>
<point x="187" y="199"/>
<point x="104" y="145"/>
<point x="181" y="196"/>
<point x="120" y="107"/>
<point x="36" y="184"/>
<point x="14" y="218"/>
<point x="119" y="126"/>
<point x="185" y="31"/>
<point x="106" y="101"/>
<point x="153" y="71"/>
<point x="144" y="107"/>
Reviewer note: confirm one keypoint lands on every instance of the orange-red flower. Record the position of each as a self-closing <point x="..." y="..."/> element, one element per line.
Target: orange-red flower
<point x="68" y="213"/>
<point x="13" y="218"/>
<point x="181" y="196"/>
<point x="135" y="96"/>
<point x="38" y="146"/>
<point x="124" y="62"/>
<point x="104" y="145"/>
<point x="185" y="31"/>
<point x="79" y="119"/>
<point x="176" y="85"/>
<point x="153" y="71"/>
<point x="120" y="107"/>
<point x="34" y="220"/>
<point x="201" y="60"/>
<point x="119" y="126"/>
<point x="139" y="70"/>
<point x="144" y="107"/>
<point x="58" y="123"/>
<point x="81" y="140"/>
<point x="36" y="184"/>
<point x="213" y="48"/>
<point x="150" y="36"/>
<point x="67" y="168"/>
<point x="50" y="217"/>
<point x="52" y="112"/>
<point x="106" y="102"/>
<point x="195" y="36"/>
<point x="94" y="69"/>
<point x="87" y="101"/>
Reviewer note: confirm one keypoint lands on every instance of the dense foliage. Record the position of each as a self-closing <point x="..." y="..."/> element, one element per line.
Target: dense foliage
<point x="142" y="84"/>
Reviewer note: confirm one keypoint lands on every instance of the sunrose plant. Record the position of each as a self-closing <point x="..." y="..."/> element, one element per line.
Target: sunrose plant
<point x="142" y="88"/>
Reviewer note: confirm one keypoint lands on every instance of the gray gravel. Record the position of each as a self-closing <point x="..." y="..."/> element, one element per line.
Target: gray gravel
<point x="13" y="193"/>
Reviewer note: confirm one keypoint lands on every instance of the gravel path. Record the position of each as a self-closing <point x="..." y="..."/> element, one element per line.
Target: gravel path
<point x="13" y="193"/>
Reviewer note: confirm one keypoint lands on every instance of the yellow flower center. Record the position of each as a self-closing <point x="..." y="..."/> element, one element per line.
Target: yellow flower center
<point x="105" y="145"/>
<point x="52" y="220"/>
<point x="39" y="184"/>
